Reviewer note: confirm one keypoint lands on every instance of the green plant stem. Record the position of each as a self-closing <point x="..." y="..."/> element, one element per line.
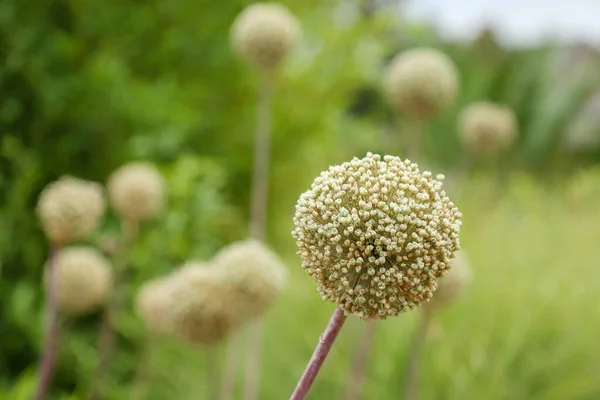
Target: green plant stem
<point x="319" y="355"/>
<point x="414" y="361"/>
<point x="356" y="382"/>
<point x="106" y="340"/>
<point x="145" y="369"/>
<point x="231" y="367"/>
<point x="465" y="164"/>
<point x="260" y="169"/>
<point x="52" y="333"/>
<point x="211" y="373"/>
<point x="258" y="211"/>
<point x="253" y="356"/>
<point x="415" y="138"/>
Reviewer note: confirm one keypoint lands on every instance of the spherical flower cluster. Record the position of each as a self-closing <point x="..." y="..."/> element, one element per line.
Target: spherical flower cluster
<point x="453" y="284"/>
<point x="200" y="307"/>
<point x="375" y="234"/>
<point x="152" y="304"/>
<point x="70" y="209"/>
<point x="421" y="82"/>
<point x="254" y="274"/>
<point x="136" y="191"/>
<point x="487" y="127"/>
<point x="83" y="278"/>
<point x="264" y="33"/>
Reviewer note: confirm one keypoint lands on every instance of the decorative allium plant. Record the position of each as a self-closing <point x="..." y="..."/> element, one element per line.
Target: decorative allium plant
<point x="69" y="209"/>
<point x="136" y="193"/>
<point x="263" y="34"/>
<point x="253" y="274"/>
<point x="84" y="278"/>
<point x="191" y="304"/>
<point x="375" y="234"/>
<point x="487" y="128"/>
<point x="450" y="287"/>
<point x="420" y="83"/>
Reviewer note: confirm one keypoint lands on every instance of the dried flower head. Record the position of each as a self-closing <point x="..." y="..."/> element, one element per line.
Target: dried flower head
<point x="84" y="279"/>
<point x="264" y="33"/>
<point x="136" y="191"/>
<point x="152" y="304"/>
<point x="376" y="234"/>
<point x="201" y="313"/>
<point x="421" y="82"/>
<point x="453" y="284"/>
<point x="487" y="127"/>
<point x="70" y="209"/>
<point x="255" y="274"/>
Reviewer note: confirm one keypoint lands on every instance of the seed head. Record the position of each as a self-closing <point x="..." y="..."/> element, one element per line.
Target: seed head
<point x="84" y="279"/>
<point x="70" y="209"/>
<point x="263" y="33"/>
<point x="152" y="304"/>
<point x="453" y="284"/>
<point x="201" y="313"/>
<point x="255" y="274"/>
<point x="487" y="127"/>
<point x="136" y="191"/>
<point x="375" y="234"/>
<point x="421" y="82"/>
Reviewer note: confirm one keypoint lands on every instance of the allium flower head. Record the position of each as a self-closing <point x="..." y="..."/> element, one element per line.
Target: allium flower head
<point x="136" y="191"/>
<point x="376" y="234"/>
<point x="453" y="284"/>
<point x="152" y="304"/>
<point x="255" y="274"/>
<point x="421" y="82"/>
<point x="84" y="279"/>
<point x="487" y="127"/>
<point x="201" y="313"/>
<point x="70" y="209"/>
<point x="264" y="33"/>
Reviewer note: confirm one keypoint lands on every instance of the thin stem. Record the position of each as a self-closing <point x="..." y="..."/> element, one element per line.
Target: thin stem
<point x="145" y="369"/>
<point x="52" y="328"/>
<point x="318" y="358"/>
<point x="465" y="165"/>
<point x="414" y="362"/>
<point x="414" y="140"/>
<point x="252" y="376"/>
<point x="106" y="340"/>
<point x="211" y="373"/>
<point x="231" y="367"/>
<point x="258" y="212"/>
<point x="357" y="378"/>
<point x="260" y="169"/>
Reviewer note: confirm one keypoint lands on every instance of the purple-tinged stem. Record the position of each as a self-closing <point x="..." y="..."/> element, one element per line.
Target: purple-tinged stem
<point x="52" y="328"/>
<point x="361" y="361"/>
<point x="318" y="358"/>
<point x="231" y="367"/>
<point x="414" y="362"/>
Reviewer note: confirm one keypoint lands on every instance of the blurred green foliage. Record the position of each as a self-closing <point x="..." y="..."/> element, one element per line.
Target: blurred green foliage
<point x="86" y="86"/>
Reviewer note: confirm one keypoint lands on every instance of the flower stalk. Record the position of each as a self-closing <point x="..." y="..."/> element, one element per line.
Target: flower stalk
<point x="414" y="361"/>
<point x="361" y="362"/>
<point x="52" y="328"/>
<point x="321" y="351"/>
<point x="106" y="340"/>
<point x="258" y="211"/>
